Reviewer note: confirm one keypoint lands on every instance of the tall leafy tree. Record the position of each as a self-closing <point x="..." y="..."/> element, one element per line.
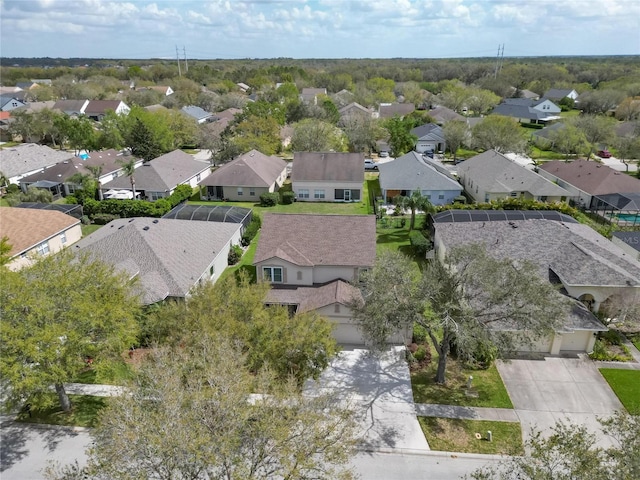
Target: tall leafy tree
<point x="500" y="133"/>
<point x="456" y="133"/>
<point x="312" y="135"/>
<point x="569" y="140"/>
<point x="400" y="137"/>
<point x="597" y="130"/>
<point x="361" y="131"/>
<point x="415" y="201"/>
<point x="260" y="133"/>
<point x="55" y="314"/>
<point x="5" y="248"/>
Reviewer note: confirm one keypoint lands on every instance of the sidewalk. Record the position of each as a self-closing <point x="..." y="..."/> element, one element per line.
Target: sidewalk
<point x="467" y="413"/>
<point x="95" y="390"/>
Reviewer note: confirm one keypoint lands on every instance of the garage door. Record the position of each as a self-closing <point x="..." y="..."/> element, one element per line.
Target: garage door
<point x="543" y="345"/>
<point x="347" y="334"/>
<point x="576" y="341"/>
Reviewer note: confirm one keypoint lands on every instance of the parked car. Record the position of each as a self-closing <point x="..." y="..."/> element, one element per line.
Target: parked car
<point x="369" y="164"/>
<point x="383" y="154"/>
<point x="604" y="154"/>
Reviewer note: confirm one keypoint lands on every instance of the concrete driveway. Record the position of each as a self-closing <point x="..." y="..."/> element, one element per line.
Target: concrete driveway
<point x="545" y="391"/>
<point x="378" y="388"/>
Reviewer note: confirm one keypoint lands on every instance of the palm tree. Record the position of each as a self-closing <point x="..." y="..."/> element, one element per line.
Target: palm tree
<point x="96" y="171"/>
<point x="129" y="169"/>
<point x="415" y="201"/>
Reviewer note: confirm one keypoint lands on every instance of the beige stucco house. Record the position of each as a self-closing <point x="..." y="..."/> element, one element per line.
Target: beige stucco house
<point x="327" y="176"/>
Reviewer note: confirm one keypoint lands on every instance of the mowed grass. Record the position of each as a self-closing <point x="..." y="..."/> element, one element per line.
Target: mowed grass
<point x="112" y="373"/>
<point x="89" y="229"/>
<point x="323" y="208"/>
<point x="393" y="236"/>
<point x="84" y="412"/>
<point x="245" y="263"/>
<point x="488" y="385"/>
<point x="455" y="435"/>
<point x="626" y="385"/>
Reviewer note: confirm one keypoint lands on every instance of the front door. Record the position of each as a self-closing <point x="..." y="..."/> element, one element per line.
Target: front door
<point x="347" y="195"/>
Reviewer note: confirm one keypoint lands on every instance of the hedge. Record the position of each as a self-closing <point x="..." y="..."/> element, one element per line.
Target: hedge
<point x="288" y="198"/>
<point x="269" y="199"/>
<point x="418" y="242"/>
<point x="252" y="229"/>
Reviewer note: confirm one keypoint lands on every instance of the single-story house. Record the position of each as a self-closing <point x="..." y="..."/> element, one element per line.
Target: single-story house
<point x="160" y="177"/>
<point x="587" y="180"/>
<point x="245" y="178"/>
<point x="354" y="110"/>
<point x="443" y="115"/>
<point x="342" y="98"/>
<point x="588" y="267"/>
<point x="198" y="114"/>
<point x="28" y="158"/>
<point x="328" y="176"/>
<point x="169" y="257"/>
<point x="430" y="138"/>
<point x="390" y="110"/>
<point x="412" y="172"/>
<point x="310" y="263"/>
<point x="492" y="176"/>
<point x="528" y="110"/>
<point x="97" y="109"/>
<point x="33" y="233"/>
<point x="9" y="102"/>
<point x="71" y="107"/>
<point x="310" y="95"/>
<point x="560" y="93"/>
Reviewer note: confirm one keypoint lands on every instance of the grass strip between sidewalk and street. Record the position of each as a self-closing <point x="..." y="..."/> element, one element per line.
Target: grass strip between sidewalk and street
<point x="626" y="385"/>
<point x="456" y="435"/>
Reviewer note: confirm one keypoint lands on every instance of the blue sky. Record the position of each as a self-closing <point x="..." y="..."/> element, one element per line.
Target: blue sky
<point x="317" y="28"/>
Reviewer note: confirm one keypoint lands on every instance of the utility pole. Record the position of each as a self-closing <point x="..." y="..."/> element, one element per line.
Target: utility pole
<point x="495" y="70"/>
<point x="186" y="65"/>
<point x="499" y="60"/>
<point x="178" y="58"/>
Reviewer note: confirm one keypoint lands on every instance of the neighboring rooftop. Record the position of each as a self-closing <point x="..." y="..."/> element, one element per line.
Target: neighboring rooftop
<point x="327" y="166"/>
<point x="251" y="169"/>
<point x="28" y="157"/>
<point x="592" y="177"/>
<point x="412" y="172"/>
<point x="211" y="213"/>
<point x="317" y="240"/>
<point x="389" y="110"/>
<point x="314" y="297"/>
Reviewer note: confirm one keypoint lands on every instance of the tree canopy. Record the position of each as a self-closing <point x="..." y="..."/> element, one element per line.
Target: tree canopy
<point x="500" y="133"/>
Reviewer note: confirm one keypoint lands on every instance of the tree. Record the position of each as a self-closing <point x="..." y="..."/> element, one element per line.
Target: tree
<point x="456" y="133"/>
<point x="87" y="186"/>
<point x="600" y="101"/>
<point x="480" y="100"/>
<point x="500" y="133"/>
<point x="147" y="134"/>
<point x="80" y="133"/>
<point x="194" y="413"/>
<point x="141" y="141"/>
<point x="569" y="140"/>
<point x="454" y="96"/>
<point x="361" y="131"/>
<point x="415" y="201"/>
<point x="628" y="147"/>
<point x="467" y="301"/>
<point x="571" y="452"/>
<point x="110" y="131"/>
<point x="400" y="137"/>
<point x="129" y="169"/>
<point x="57" y="313"/>
<point x="34" y="194"/>
<point x="596" y="129"/>
<point x="311" y="135"/>
<point x="628" y="109"/>
<point x="5" y="250"/>
<point x="259" y="133"/>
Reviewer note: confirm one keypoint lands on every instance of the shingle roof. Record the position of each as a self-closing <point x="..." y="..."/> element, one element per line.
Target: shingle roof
<point x="310" y="240"/>
<point x="169" y="256"/>
<point x="557" y="93"/>
<point x="519" y="111"/>
<point x="99" y="107"/>
<point x="312" y="298"/>
<point x="354" y="108"/>
<point x="252" y="169"/>
<point x="161" y="174"/>
<point x="497" y="174"/>
<point x="429" y="131"/>
<point x="27" y="228"/>
<point x="196" y="112"/>
<point x="444" y="114"/>
<point x="327" y="166"/>
<point x="25" y="158"/>
<point x="592" y="177"/>
<point x="411" y="172"/>
<point x="71" y="106"/>
<point x="392" y="109"/>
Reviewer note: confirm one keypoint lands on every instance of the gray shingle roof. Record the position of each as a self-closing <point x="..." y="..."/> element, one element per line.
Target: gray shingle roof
<point x="314" y="297"/>
<point x="161" y="174"/>
<point x="557" y="93"/>
<point x="252" y="169"/>
<point x="327" y="166"/>
<point x="393" y="109"/>
<point x="519" y="111"/>
<point x="444" y="114"/>
<point x="197" y="112"/>
<point x="412" y="172"/>
<point x="169" y="256"/>
<point x="309" y="240"/>
<point x="25" y="158"/>
<point x="429" y="131"/>
<point x="497" y="174"/>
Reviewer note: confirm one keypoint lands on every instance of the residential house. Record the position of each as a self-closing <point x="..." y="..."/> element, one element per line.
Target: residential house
<point x="390" y="110"/>
<point x="492" y="176"/>
<point x="586" y="181"/>
<point x="354" y="110"/>
<point x="629" y="242"/>
<point x="37" y="106"/>
<point x="245" y="178"/>
<point x="589" y="268"/>
<point x="73" y="108"/>
<point x="528" y="110"/>
<point x="342" y="98"/>
<point x="28" y="158"/>
<point x="328" y="176"/>
<point x="34" y="83"/>
<point x="244" y="88"/>
<point x="412" y="172"/>
<point x="311" y="262"/>
<point x="560" y="93"/>
<point x="443" y="115"/>
<point x="97" y="109"/>
<point x="33" y="233"/>
<point x="166" y="90"/>
<point x="9" y="102"/>
<point x="430" y="139"/>
<point x="310" y="95"/>
<point x="160" y="177"/>
<point x="9" y="90"/>
<point x="169" y="257"/>
<point x="524" y="93"/>
<point x="198" y="114"/>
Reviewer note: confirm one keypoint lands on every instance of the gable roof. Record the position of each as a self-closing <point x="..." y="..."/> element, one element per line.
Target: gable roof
<point x="71" y="107"/>
<point x="27" y="228"/>
<point x="169" y="256"/>
<point x="318" y="240"/>
<point x="592" y="177"/>
<point x="518" y="110"/>
<point x="28" y="157"/>
<point x="354" y="108"/>
<point x="228" y="114"/>
<point x="311" y="298"/>
<point x="412" y="172"/>
<point x="497" y="174"/>
<point x="100" y="107"/>
<point x="196" y="112"/>
<point x="161" y="174"/>
<point x="252" y="169"/>
<point x="9" y="97"/>
<point x="444" y="114"/>
<point x="388" y="110"/>
<point x="558" y="93"/>
<point x="429" y="131"/>
<point x="327" y="167"/>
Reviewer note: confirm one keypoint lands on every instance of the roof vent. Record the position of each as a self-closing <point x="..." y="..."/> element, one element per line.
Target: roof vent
<point x="156" y="221"/>
<point x="146" y="227"/>
<point x="120" y="227"/>
<point x="131" y="220"/>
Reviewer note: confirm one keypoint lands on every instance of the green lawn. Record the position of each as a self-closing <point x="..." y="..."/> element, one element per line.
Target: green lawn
<point x="245" y="263"/>
<point x="88" y="229"/>
<point x="539" y="154"/>
<point x="84" y="412"/>
<point x="635" y="339"/>
<point x="626" y="385"/>
<point x="570" y="113"/>
<point x="394" y="236"/>
<point x="353" y="208"/>
<point x="487" y="383"/>
<point x="114" y="373"/>
<point x="455" y="435"/>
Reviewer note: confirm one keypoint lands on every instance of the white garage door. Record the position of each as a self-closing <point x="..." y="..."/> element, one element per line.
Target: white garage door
<point x="347" y="334"/>
<point x="576" y="341"/>
<point x="542" y="345"/>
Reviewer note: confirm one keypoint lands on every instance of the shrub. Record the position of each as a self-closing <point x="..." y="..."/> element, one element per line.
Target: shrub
<point x="251" y="230"/>
<point x="71" y="200"/>
<point x="235" y="254"/>
<point x="269" y="199"/>
<point x="13" y="188"/>
<point x="103" y="218"/>
<point x="288" y="198"/>
<point x="180" y="194"/>
<point x="460" y="199"/>
<point x="418" y="242"/>
<point x="419" y="334"/>
<point x="85" y="220"/>
<point x="421" y="353"/>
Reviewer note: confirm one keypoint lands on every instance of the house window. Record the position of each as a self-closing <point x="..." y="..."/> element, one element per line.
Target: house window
<point x="428" y="196"/>
<point x="198" y="176"/>
<point x="543" y="198"/>
<point x="63" y="238"/>
<point x="252" y="192"/>
<point x="212" y="271"/>
<point x="303" y="193"/>
<point x="339" y="194"/>
<point x="318" y="194"/>
<point x="272" y="274"/>
<point x="514" y="194"/>
<point x="156" y="195"/>
<point x="240" y="192"/>
<point x="441" y="196"/>
<point x="299" y="275"/>
<point x="336" y="308"/>
<point x="43" y="248"/>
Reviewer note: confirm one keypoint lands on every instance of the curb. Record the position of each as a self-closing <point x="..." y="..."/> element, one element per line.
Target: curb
<point x="432" y="453"/>
<point x="44" y="426"/>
